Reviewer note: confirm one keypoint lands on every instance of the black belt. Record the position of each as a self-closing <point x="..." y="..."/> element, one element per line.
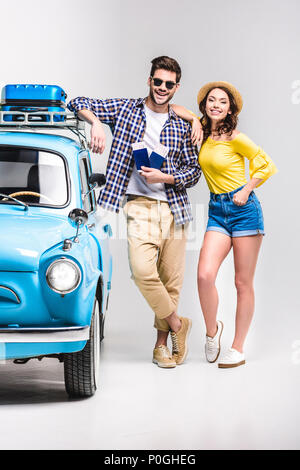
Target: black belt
<point x="130" y="197"/>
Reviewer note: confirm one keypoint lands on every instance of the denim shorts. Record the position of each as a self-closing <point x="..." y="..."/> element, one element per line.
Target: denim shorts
<point x="235" y="221"/>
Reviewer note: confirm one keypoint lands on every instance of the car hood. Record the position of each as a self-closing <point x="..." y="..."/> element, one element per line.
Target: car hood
<point x="24" y="238"/>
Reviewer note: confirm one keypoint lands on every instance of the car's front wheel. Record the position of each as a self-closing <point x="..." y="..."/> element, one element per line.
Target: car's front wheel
<point x="81" y="369"/>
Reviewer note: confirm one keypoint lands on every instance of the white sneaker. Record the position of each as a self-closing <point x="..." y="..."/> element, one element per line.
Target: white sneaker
<point x="212" y="345"/>
<point x="232" y="358"/>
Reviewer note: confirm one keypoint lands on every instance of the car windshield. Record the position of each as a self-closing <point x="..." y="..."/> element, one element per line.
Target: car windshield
<point x="33" y="176"/>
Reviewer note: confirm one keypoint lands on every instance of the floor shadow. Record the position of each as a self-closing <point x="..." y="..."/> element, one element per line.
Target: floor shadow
<point x="33" y="382"/>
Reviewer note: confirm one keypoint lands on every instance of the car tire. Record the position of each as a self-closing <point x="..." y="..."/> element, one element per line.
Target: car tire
<point x="81" y="369"/>
<point x="102" y="322"/>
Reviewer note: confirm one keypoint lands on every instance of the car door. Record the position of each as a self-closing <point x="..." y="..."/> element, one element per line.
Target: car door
<point x="98" y="230"/>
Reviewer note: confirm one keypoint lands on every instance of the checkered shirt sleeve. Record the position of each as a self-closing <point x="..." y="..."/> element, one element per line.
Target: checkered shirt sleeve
<point x="105" y="110"/>
<point x="189" y="171"/>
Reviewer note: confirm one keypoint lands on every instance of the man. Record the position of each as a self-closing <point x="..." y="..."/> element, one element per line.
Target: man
<point x="157" y="206"/>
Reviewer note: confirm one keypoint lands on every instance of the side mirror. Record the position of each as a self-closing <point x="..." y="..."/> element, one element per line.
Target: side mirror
<point x="80" y="217"/>
<point x="97" y="179"/>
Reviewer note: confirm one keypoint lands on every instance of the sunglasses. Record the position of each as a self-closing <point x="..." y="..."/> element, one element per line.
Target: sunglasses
<point x="158" y="82"/>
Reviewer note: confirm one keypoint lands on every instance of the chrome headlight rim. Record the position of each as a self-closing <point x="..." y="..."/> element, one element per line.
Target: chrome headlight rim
<point x="78" y="272"/>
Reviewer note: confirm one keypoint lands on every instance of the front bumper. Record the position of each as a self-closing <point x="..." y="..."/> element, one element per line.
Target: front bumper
<point x="44" y="335"/>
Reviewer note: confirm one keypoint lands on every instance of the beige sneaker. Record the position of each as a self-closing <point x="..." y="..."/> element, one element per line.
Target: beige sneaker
<point x="179" y="340"/>
<point x="162" y="357"/>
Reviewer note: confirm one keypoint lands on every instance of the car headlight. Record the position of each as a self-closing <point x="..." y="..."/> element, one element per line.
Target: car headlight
<point x="63" y="276"/>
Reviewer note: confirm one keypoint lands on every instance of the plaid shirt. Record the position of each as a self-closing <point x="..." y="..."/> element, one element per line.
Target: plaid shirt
<point x="127" y="120"/>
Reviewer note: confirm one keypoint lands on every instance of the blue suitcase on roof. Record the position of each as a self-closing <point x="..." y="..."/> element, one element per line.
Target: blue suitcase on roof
<point x="33" y="99"/>
<point x="23" y="93"/>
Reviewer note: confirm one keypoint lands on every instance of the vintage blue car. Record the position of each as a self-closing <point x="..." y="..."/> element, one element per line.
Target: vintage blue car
<point x="55" y="262"/>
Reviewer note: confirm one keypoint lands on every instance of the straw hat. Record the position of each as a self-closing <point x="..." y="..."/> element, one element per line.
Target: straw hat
<point x="209" y="86"/>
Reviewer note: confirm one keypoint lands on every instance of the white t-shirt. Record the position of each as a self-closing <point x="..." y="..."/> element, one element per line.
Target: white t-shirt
<point x="137" y="184"/>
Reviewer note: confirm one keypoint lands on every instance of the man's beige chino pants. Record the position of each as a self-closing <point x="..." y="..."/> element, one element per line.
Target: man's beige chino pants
<point x="156" y="252"/>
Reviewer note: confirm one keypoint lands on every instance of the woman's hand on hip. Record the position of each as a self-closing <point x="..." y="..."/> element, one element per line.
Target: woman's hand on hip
<point x="241" y="197"/>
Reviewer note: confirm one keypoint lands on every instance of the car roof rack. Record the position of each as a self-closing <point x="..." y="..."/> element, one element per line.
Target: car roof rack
<point x="53" y="120"/>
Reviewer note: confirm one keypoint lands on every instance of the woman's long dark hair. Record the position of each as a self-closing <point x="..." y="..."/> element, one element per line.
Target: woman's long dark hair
<point x="226" y="126"/>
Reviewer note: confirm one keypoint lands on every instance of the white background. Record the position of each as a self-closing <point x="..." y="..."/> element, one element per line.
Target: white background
<point x="100" y="48"/>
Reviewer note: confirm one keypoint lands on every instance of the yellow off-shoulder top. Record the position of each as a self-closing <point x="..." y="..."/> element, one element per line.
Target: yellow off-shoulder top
<point x="223" y="163"/>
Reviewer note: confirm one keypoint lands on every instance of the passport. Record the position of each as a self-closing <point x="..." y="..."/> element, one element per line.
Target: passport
<point x="140" y="155"/>
<point x="158" y="155"/>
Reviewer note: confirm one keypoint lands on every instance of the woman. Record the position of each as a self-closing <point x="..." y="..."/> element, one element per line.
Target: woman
<point x="235" y="215"/>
